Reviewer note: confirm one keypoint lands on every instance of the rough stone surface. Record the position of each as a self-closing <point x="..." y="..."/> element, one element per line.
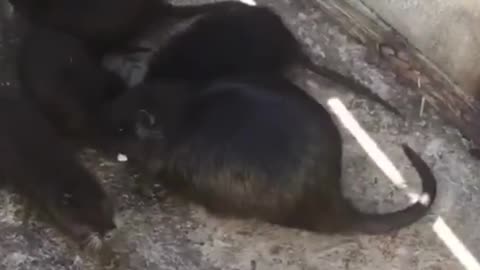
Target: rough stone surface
<point x="444" y="30"/>
<point x="172" y="234"/>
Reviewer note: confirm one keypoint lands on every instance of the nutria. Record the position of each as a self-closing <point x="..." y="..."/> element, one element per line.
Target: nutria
<point x="103" y="24"/>
<point x="36" y="164"/>
<point x="68" y="85"/>
<point x="253" y="147"/>
<point x="231" y="38"/>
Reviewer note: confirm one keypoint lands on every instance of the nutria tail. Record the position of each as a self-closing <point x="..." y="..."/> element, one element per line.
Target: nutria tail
<point x="348" y="82"/>
<point x="384" y="223"/>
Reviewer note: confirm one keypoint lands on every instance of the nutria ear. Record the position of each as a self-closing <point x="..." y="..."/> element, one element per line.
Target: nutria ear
<point x="144" y="124"/>
<point x="144" y="119"/>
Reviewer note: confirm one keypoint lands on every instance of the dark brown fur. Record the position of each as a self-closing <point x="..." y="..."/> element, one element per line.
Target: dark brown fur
<point x="65" y="81"/>
<point x="101" y="23"/>
<point x="230" y="38"/>
<point x="253" y="147"/>
<point x="35" y="163"/>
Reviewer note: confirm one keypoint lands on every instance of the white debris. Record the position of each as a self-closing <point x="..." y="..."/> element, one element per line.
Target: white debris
<point x="122" y="158"/>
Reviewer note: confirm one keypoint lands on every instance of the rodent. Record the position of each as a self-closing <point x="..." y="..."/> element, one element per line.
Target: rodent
<point x="67" y="84"/>
<point x="230" y="38"/>
<point x="252" y="147"/>
<point x="38" y="165"/>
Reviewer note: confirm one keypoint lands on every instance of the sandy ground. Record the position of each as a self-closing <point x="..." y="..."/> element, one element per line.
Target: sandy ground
<point x="175" y="235"/>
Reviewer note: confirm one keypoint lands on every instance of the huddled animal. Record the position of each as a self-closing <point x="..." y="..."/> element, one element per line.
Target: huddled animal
<point x="37" y="162"/>
<point x="102" y="24"/>
<point x="229" y="38"/>
<point x="250" y="146"/>
<point x="215" y="118"/>
<point x="38" y="165"/>
<point x="224" y="39"/>
<point x="67" y="84"/>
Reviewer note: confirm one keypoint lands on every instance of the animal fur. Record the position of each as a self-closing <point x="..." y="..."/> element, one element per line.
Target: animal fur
<point x="254" y="147"/>
<point x="230" y="38"/>
<point x="39" y="166"/>
<point x="65" y="81"/>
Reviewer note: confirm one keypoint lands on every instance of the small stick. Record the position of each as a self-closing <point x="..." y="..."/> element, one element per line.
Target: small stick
<point x="422" y="106"/>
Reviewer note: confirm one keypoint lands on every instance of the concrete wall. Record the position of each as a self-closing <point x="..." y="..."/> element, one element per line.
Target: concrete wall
<point x="446" y="31"/>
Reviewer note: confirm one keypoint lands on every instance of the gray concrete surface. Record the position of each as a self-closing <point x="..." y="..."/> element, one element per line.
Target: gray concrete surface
<point x="444" y="30"/>
<point x="172" y="234"/>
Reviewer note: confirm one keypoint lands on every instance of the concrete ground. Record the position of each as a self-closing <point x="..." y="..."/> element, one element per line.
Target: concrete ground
<point x="171" y="234"/>
<point x="445" y="31"/>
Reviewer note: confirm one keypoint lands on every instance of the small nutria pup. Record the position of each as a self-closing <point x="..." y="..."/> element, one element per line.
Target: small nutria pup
<point x="253" y="147"/>
<point x="231" y="38"/>
<point x="39" y="166"/>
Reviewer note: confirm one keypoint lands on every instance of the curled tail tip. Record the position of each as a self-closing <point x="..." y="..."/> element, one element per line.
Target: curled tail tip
<point x="424" y="171"/>
<point x="408" y="150"/>
<point x="415" y="159"/>
<point x="375" y="224"/>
